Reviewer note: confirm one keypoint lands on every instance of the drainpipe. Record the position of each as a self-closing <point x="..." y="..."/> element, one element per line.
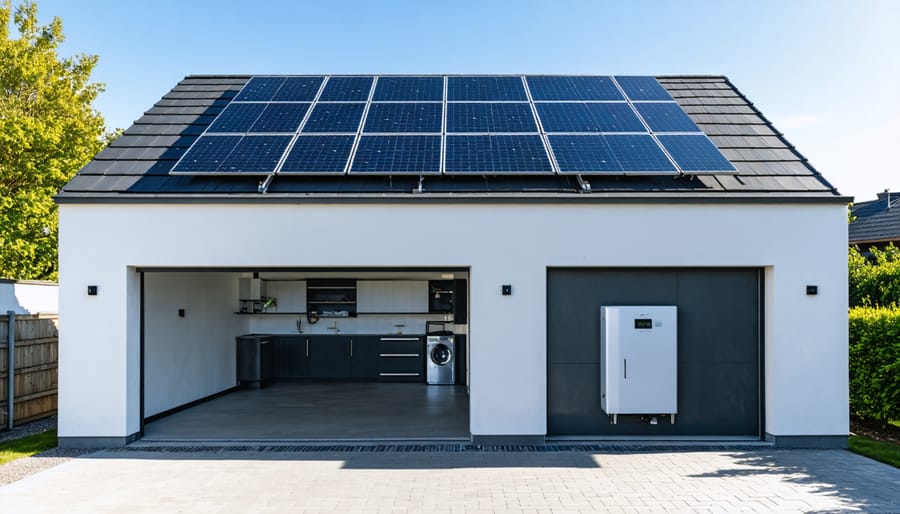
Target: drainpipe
<point x="10" y="369"/>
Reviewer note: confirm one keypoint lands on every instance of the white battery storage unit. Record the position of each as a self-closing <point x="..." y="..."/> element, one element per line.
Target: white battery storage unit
<point x="639" y="360"/>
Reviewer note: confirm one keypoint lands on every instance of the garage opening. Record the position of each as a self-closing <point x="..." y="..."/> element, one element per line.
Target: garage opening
<point x="304" y="354"/>
<point x="719" y="351"/>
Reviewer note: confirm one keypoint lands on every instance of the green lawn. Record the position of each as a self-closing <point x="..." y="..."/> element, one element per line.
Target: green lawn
<point x="27" y="446"/>
<point x="888" y="453"/>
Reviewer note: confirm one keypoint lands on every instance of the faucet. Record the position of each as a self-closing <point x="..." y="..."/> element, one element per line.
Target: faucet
<point x="334" y="327"/>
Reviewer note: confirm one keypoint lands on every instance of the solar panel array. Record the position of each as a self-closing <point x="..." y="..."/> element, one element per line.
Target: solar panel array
<point x="431" y="125"/>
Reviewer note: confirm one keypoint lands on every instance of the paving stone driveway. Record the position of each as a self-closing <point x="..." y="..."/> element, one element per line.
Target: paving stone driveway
<point x="326" y="481"/>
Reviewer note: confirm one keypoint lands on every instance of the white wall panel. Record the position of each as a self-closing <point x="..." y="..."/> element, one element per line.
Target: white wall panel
<point x="806" y="356"/>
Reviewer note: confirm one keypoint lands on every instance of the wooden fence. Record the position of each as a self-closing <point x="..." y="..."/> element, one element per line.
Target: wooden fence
<point x="35" y="369"/>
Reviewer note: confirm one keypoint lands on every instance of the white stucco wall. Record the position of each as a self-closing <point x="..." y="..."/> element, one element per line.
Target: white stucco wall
<point x="28" y="297"/>
<point x="806" y="337"/>
<point x="191" y="357"/>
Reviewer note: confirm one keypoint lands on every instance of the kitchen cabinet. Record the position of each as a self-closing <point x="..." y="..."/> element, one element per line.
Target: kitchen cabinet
<point x="364" y="357"/>
<point x="344" y="357"/>
<point x="254" y="360"/>
<point x="401" y="359"/>
<point x="401" y="296"/>
<point x="331" y="298"/>
<point x="329" y="357"/>
<point x="291" y="359"/>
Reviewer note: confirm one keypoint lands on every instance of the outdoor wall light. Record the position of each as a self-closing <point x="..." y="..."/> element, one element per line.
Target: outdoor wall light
<point x="92" y="290"/>
<point x="506" y="290"/>
<point x="812" y="290"/>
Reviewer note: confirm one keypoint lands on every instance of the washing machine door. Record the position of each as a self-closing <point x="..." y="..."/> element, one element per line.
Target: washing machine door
<point x="441" y="354"/>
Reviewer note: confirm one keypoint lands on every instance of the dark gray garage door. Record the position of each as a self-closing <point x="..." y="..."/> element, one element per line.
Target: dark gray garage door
<point x="718" y="348"/>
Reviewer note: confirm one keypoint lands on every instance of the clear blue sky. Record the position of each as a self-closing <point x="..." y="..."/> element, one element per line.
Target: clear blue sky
<point x="827" y="73"/>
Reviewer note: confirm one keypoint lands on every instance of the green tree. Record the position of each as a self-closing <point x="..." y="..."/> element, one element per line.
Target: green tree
<point x="48" y="130"/>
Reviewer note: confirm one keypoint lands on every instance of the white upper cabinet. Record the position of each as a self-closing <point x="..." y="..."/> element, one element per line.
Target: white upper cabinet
<point x="392" y="295"/>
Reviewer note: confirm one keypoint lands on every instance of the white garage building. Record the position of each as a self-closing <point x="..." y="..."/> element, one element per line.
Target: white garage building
<point x="301" y="266"/>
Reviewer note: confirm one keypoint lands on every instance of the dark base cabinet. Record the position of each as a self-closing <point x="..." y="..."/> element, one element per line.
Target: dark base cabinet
<point x="364" y="357"/>
<point x="329" y="357"/>
<point x="291" y="356"/>
<point x="399" y="358"/>
<point x="254" y="360"/>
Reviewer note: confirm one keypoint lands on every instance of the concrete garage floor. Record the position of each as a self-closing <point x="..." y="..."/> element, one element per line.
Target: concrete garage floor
<point x="323" y="411"/>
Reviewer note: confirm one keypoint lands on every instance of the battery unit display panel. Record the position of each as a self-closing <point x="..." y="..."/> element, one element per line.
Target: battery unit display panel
<point x="390" y="155"/>
<point x="482" y="88"/>
<point x="404" y="117"/>
<point x="318" y="155"/>
<point x="409" y="89"/>
<point x="550" y="87"/>
<point x="496" y="154"/>
<point x="490" y="117"/>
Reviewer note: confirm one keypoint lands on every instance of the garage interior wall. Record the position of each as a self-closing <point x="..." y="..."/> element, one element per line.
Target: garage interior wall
<point x="718" y="349"/>
<point x="191" y="357"/>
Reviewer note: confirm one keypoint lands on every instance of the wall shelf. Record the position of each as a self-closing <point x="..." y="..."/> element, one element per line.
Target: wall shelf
<point x="270" y="313"/>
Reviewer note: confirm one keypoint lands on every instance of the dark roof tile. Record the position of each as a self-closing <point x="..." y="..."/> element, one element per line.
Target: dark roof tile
<point x="138" y="162"/>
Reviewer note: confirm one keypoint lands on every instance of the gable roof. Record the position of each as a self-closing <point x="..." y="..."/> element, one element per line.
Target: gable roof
<point x="135" y="167"/>
<point x="877" y="221"/>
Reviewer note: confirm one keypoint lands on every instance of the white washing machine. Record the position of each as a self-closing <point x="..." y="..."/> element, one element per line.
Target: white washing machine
<point x="440" y="358"/>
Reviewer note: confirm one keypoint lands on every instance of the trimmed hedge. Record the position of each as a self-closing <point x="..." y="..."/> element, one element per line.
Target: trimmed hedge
<point x="875" y="362"/>
<point x="875" y="281"/>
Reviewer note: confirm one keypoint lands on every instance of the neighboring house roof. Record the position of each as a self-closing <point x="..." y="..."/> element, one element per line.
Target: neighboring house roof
<point x="877" y="221"/>
<point x="135" y="167"/>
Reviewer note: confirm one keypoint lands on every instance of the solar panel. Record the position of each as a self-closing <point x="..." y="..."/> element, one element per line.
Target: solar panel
<point x="487" y="117"/>
<point x="420" y="155"/>
<point x="237" y="118"/>
<point x="583" y="153"/>
<point x="638" y="153"/>
<point x="696" y="153"/>
<point x="346" y="89"/>
<point x="588" y="117"/>
<point x="206" y="154"/>
<point x="260" y="89"/>
<point x="610" y="153"/>
<point x="255" y="154"/>
<point x="666" y="117"/>
<point x="486" y="89"/>
<point x="404" y="117"/>
<point x="318" y="154"/>
<point x="415" y="89"/>
<point x="549" y="87"/>
<point x="487" y="125"/>
<point x="334" y="118"/>
<point x="497" y="154"/>
<point x="279" y="117"/>
<point x="643" y="88"/>
<point x="298" y="89"/>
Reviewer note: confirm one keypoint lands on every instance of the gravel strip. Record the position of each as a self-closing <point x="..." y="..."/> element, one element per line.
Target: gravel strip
<point x="35" y="427"/>
<point x="21" y="468"/>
